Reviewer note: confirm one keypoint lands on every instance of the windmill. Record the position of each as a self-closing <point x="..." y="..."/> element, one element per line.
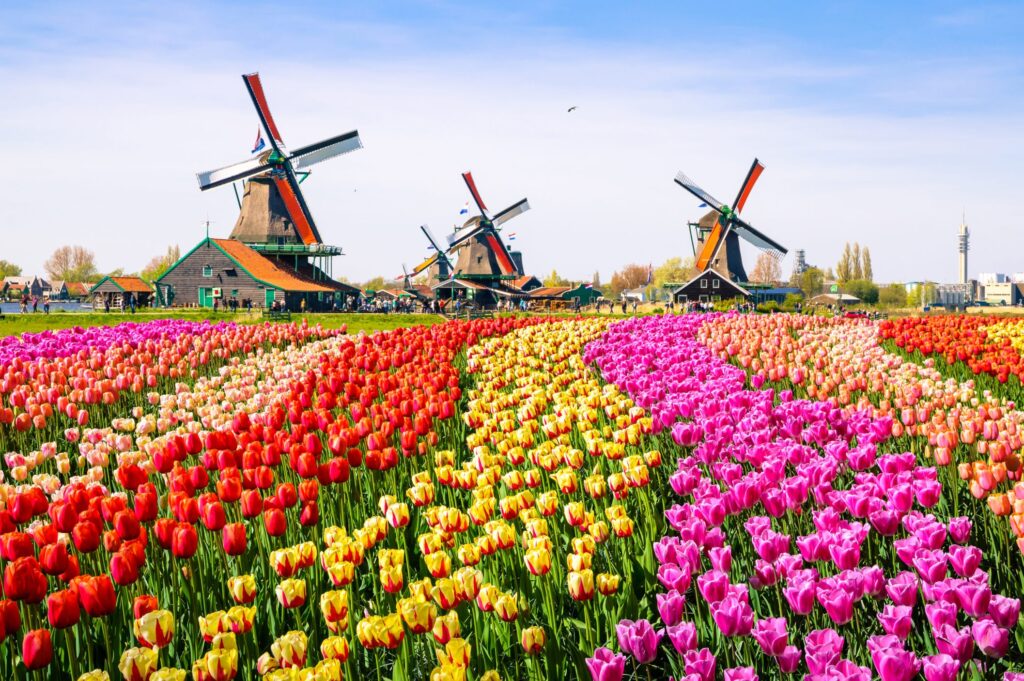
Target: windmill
<point x="721" y="229"/>
<point x="439" y="258"/>
<point x="481" y="250"/>
<point x="274" y="209"/>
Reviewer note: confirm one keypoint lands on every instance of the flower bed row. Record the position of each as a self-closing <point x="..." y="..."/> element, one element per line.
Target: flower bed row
<point x="798" y="544"/>
<point x="840" y="361"/>
<point x="212" y="498"/>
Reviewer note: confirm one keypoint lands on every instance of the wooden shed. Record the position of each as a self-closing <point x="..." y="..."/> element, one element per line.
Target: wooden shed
<point x="708" y="287"/>
<point x="115" y="290"/>
<point x="230" y="273"/>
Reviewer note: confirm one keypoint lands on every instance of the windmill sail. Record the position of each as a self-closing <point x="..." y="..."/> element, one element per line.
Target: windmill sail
<point x="321" y="151"/>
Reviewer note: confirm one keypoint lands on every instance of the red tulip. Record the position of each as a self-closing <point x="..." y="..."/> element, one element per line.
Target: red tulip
<point x="123" y="569"/>
<point x="24" y="581"/>
<point x="62" y="609"/>
<point x="310" y="514"/>
<point x="86" y="537"/>
<point x="10" y="618"/>
<point x="233" y="536"/>
<point x="214" y="516"/>
<point x="143" y="604"/>
<point x="36" y="649"/>
<point x="252" y="503"/>
<point x="15" y="545"/>
<point x="145" y="507"/>
<point x="275" y="522"/>
<point x="96" y="594"/>
<point x="184" y="541"/>
<point x="126" y="524"/>
<point x="53" y="558"/>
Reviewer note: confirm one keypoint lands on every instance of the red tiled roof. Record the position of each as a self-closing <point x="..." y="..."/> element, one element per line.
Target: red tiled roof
<point x="264" y="269"/>
<point x="548" y="291"/>
<point x="131" y="284"/>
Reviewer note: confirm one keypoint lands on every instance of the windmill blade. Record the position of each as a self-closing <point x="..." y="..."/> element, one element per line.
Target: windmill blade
<point x="759" y="239"/>
<point x="424" y="265"/>
<point x="689" y="185"/>
<point x="711" y="243"/>
<point x="501" y="254"/>
<point x="458" y="238"/>
<point x="232" y="173"/>
<point x="748" y="183"/>
<point x="440" y="254"/>
<point x="512" y="211"/>
<point x="259" y="100"/>
<point x="468" y="177"/>
<point x="321" y="151"/>
<point x="288" y="187"/>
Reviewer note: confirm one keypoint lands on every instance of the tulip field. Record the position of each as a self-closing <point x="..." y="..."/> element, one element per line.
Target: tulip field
<point x="696" y="497"/>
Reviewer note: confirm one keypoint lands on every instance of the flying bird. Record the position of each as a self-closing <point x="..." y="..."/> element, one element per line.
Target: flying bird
<point x="571" y="109"/>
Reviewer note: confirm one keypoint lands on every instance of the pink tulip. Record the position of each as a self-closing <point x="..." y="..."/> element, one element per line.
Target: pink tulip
<point x="733" y="616"/>
<point x="683" y="637"/>
<point x="771" y="635"/>
<point x="740" y="674"/>
<point x="1004" y="611"/>
<point x="940" y="667"/>
<point x="639" y="639"/>
<point x="789" y="660"/>
<point x="992" y="639"/>
<point x="606" y="665"/>
<point x="822" y="648"/>
<point x="897" y="620"/>
<point x="902" y="589"/>
<point x="954" y="642"/>
<point x="670" y="607"/>
<point x="700" y="663"/>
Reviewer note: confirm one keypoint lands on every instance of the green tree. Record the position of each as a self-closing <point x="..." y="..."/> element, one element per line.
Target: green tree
<point x="844" y="268"/>
<point x="375" y="284"/>
<point x="554" y="279"/>
<point x="596" y="281"/>
<point x="857" y="272"/>
<point x="159" y="265"/>
<point x="893" y="295"/>
<point x="866" y="271"/>
<point x="863" y="289"/>
<point x="672" y="271"/>
<point x="811" y="281"/>
<point x="9" y="269"/>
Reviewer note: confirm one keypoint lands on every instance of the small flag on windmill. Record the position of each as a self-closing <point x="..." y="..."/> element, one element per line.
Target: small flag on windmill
<point x="260" y="143"/>
<point x="465" y="209"/>
<point x="511" y="236"/>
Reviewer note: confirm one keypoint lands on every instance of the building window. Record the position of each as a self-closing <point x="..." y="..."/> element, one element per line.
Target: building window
<point x="231" y="272"/>
<point x="703" y="283"/>
<point x="207" y="271"/>
<point x="717" y="282"/>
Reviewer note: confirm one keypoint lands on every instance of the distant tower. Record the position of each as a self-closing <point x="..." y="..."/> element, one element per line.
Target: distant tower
<point x="800" y="265"/>
<point x="963" y="245"/>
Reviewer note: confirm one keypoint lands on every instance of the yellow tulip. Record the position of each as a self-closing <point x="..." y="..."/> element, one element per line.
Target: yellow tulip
<point x="533" y="640"/>
<point x="137" y="663"/>
<point x="242" y="588"/>
<point x="418" y="614"/>
<point x="291" y="593"/>
<point x="334" y="605"/>
<point x="155" y="628"/>
<point x="334" y="648"/>
<point x="446" y="627"/>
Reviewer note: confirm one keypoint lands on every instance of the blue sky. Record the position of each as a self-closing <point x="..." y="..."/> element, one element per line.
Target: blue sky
<point x="878" y="122"/>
